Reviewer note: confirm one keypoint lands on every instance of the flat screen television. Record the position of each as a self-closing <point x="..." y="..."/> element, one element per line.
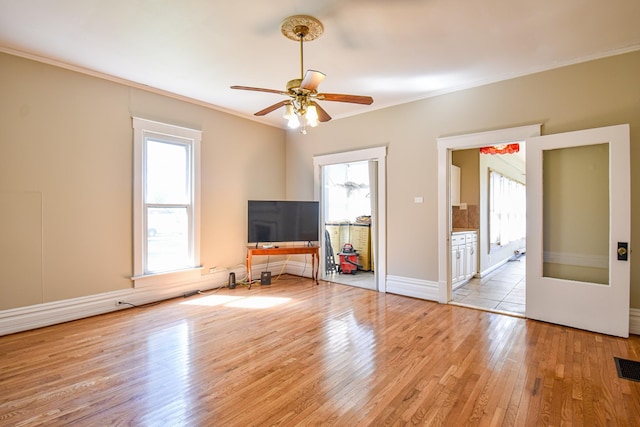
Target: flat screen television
<point x="272" y="221"/>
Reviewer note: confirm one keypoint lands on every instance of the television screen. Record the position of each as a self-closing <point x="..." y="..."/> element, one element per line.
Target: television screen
<point x="283" y="221"/>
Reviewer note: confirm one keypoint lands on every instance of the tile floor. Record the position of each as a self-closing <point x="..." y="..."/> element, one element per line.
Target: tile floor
<point x="502" y="290"/>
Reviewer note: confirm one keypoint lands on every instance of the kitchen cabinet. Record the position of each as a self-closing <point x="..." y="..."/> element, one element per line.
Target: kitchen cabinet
<point x="464" y="256"/>
<point x="455" y="185"/>
<point x="457" y="257"/>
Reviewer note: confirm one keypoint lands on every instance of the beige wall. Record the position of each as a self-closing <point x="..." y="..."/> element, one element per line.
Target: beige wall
<point x="598" y="93"/>
<point x="66" y="162"/>
<point x="469" y="163"/>
<point x="66" y="180"/>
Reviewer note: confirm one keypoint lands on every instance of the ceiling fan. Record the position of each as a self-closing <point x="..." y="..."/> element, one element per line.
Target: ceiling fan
<point x="301" y="107"/>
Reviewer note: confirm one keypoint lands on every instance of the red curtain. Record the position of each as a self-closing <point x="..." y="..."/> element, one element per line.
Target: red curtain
<point x="500" y="149"/>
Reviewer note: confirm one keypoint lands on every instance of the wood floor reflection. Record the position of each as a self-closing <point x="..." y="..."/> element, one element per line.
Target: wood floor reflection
<point x="294" y="353"/>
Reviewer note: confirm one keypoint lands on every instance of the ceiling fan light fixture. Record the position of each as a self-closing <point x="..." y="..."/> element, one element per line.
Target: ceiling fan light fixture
<point x="288" y="112"/>
<point x="300" y="110"/>
<point x="312" y="116"/>
<point x="291" y="116"/>
<point x="293" y="122"/>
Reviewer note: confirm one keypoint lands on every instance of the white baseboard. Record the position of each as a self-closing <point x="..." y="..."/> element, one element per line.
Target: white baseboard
<point x="41" y="315"/>
<point x="276" y="268"/>
<point x="415" y="288"/>
<point x="491" y="269"/>
<point x="300" y="269"/>
<point x="50" y="313"/>
<point x="427" y="290"/>
<point x="634" y="321"/>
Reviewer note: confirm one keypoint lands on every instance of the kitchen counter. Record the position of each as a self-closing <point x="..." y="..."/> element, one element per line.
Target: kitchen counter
<point x="463" y="230"/>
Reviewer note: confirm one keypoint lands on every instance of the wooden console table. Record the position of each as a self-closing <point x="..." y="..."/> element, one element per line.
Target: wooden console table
<point x="286" y="250"/>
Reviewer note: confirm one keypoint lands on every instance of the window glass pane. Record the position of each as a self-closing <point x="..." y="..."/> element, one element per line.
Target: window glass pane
<point x="576" y="213"/>
<point x="167" y="173"/>
<point x="507" y="209"/>
<point x="167" y="239"/>
<point x="347" y="188"/>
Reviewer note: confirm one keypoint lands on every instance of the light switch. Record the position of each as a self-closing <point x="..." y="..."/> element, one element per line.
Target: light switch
<point x="418" y="199"/>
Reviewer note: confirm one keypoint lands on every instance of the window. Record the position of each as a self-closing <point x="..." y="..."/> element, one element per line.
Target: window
<point x="507" y="209"/>
<point x="166" y="200"/>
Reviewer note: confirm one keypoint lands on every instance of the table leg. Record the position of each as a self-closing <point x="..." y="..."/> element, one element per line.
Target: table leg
<point x="249" y="268"/>
<point x="316" y="265"/>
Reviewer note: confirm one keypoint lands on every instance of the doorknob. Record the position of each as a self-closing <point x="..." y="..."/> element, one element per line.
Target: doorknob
<point x="623" y="252"/>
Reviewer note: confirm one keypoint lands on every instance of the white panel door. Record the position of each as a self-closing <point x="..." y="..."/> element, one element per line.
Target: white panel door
<point x="578" y="216"/>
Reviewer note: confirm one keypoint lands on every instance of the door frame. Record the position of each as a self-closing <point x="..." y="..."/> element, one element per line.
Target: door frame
<point x="378" y="218"/>
<point x="445" y="146"/>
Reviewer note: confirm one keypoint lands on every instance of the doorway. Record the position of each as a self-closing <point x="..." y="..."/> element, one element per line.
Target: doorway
<point x="550" y="293"/>
<point x="490" y="205"/>
<point x="347" y="206"/>
<point x="373" y="161"/>
<point x="446" y="146"/>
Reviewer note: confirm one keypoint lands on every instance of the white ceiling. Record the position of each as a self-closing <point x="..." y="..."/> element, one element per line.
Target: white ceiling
<point x="393" y="50"/>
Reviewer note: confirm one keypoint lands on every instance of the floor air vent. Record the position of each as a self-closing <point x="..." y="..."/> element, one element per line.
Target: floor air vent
<point x="628" y="369"/>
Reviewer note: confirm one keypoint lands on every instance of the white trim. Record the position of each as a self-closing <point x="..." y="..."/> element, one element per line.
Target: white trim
<point x="634" y="321"/>
<point x="186" y="136"/>
<point x="379" y="155"/>
<point x="128" y="83"/>
<point x="416" y="288"/>
<point x="41" y="315"/>
<point x="287" y="266"/>
<point x="166" y="277"/>
<point x="445" y="146"/>
<point x="94" y="73"/>
<point x="165" y="128"/>
<point x="492" y="268"/>
<point x="298" y="268"/>
<point x="603" y="309"/>
<point x="349" y="156"/>
<point x="51" y="313"/>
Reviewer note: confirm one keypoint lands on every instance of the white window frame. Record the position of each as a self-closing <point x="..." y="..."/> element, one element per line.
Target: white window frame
<point x="142" y="129"/>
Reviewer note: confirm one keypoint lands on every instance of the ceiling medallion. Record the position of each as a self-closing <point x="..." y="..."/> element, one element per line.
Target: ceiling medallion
<point x="301" y="26"/>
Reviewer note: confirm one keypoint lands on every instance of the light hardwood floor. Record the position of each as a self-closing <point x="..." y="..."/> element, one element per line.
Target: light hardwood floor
<point x="294" y="353"/>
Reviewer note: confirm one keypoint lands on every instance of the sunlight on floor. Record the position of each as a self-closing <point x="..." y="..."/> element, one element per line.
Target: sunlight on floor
<point x="239" y="302"/>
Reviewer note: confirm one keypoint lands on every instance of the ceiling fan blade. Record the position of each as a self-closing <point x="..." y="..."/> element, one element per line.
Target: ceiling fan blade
<point x="271" y="108"/>
<point x="311" y="80"/>
<point x="339" y="97"/>
<point x="259" y="89"/>
<point x="323" y="116"/>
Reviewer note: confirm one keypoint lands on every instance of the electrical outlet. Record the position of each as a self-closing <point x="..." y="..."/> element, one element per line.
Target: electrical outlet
<point x="119" y="303"/>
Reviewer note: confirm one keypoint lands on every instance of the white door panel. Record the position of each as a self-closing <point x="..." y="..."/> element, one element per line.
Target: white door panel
<point x="578" y="210"/>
